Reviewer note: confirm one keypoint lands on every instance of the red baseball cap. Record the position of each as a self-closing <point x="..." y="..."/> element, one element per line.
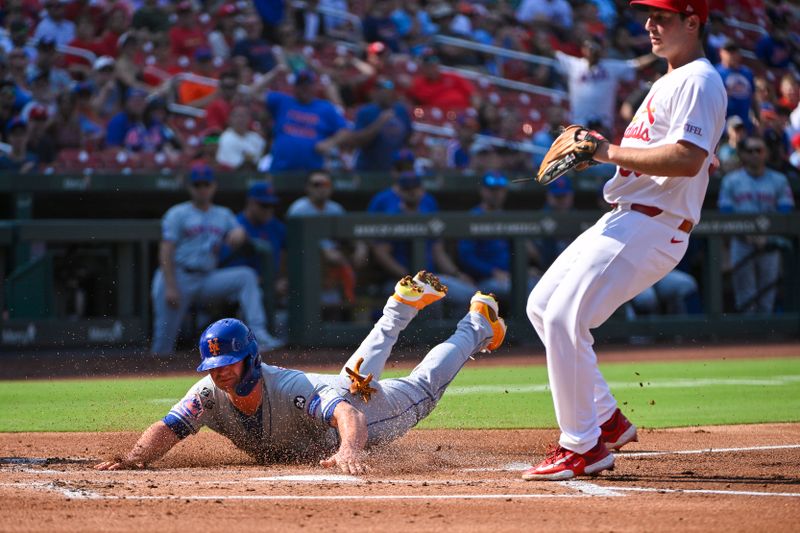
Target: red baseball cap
<point x="685" y="7"/>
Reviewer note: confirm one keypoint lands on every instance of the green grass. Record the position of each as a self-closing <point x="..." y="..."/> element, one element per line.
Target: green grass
<point x="671" y="394"/>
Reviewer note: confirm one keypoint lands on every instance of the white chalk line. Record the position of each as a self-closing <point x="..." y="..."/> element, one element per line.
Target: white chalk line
<point x="712" y="450"/>
<point x="709" y="491"/>
<point x="517" y="467"/>
<point x="775" y="381"/>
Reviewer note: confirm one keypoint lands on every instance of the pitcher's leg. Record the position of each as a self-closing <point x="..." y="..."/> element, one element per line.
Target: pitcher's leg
<point x="377" y="346"/>
<point x="613" y="269"/>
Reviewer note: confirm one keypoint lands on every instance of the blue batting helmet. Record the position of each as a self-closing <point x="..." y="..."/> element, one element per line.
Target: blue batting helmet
<point x="225" y="342"/>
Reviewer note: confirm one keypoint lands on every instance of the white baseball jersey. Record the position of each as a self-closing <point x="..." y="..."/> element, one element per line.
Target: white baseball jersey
<point x="593" y="89"/>
<point x="688" y="104"/>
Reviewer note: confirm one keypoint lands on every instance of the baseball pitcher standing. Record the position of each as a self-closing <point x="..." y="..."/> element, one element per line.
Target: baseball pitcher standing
<point x="657" y="191"/>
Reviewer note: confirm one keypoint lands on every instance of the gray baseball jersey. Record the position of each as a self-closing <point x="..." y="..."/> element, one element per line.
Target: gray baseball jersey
<point x="197" y="234"/>
<point x="742" y="193"/>
<point x="293" y="422"/>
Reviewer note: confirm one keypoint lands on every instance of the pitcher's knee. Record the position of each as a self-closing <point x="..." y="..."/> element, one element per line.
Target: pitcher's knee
<point x="535" y="307"/>
<point x="557" y="320"/>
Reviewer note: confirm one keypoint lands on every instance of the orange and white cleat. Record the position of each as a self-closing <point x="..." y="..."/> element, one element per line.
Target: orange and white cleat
<point x="486" y="305"/>
<point x="419" y="291"/>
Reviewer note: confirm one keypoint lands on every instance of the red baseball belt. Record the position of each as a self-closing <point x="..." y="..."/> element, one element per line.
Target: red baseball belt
<point x="686" y="226"/>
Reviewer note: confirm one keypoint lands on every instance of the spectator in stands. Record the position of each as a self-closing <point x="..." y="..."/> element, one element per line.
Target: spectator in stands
<point x="40" y="142"/>
<point x="240" y="148"/>
<point x="115" y="27"/>
<point x="382" y="128"/>
<point x="8" y="96"/>
<point x="728" y="152"/>
<point x="85" y="39"/>
<point x="219" y="109"/>
<point x="107" y="93"/>
<point x="46" y="62"/>
<point x="127" y="128"/>
<point x="490" y="120"/>
<point x="445" y="90"/>
<point x="41" y="96"/>
<point x="305" y="128"/>
<point x="378" y="25"/>
<point x="789" y="92"/>
<point x="555" y="120"/>
<point x="777" y="49"/>
<point x="92" y="129"/>
<point x="20" y="160"/>
<point x="223" y="38"/>
<point x="150" y="20"/>
<point x="126" y="68"/>
<point x="488" y="261"/>
<point x="340" y="266"/>
<point x="54" y="26"/>
<point x="186" y="36"/>
<point x="18" y="73"/>
<point x="593" y="81"/>
<point x="739" y="83"/>
<point x="259" y="221"/>
<point x="206" y="150"/>
<point x="794" y="158"/>
<point x="65" y="126"/>
<point x="196" y="92"/>
<point x="159" y="137"/>
<point x="755" y="260"/>
<point x="557" y="13"/>
<point x="408" y="196"/>
<point x="192" y="232"/>
<point x="255" y="51"/>
<point x="16" y="36"/>
<point x="466" y="127"/>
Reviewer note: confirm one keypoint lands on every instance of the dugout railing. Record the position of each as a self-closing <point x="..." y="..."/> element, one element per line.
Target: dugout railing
<point x="28" y="317"/>
<point x="131" y="245"/>
<point x="307" y="327"/>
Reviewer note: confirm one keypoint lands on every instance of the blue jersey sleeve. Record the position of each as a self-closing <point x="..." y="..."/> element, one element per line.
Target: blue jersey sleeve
<point x="189" y="415"/>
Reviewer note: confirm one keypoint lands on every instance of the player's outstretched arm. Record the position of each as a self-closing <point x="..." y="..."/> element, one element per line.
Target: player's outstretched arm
<point x="352" y="427"/>
<point x="156" y="441"/>
<point x="671" y="160"/>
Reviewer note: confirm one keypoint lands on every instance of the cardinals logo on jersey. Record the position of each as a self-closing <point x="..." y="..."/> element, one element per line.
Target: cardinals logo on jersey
<point x="642" y="120"/>
<point x="213" y="346"/>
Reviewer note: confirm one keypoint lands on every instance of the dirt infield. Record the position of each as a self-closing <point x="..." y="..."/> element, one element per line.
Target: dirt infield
<point x="731" y="478"/>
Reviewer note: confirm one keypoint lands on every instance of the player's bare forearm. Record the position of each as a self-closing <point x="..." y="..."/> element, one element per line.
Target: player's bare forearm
<point x="670" y="160"/>
<point x="154" y="443"/>
<point x="352" y="427"/>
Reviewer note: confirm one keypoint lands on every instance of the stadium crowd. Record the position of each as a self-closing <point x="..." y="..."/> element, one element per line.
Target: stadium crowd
<point x="276" y="86"/>
<point x="319" y="87"/>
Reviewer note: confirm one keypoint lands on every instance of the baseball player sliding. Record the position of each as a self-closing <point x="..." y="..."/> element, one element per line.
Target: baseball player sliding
<point x="656" y="194"/>
<point x="276" y="414"/>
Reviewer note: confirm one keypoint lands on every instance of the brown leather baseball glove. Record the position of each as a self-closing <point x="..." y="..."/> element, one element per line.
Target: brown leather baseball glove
<point x="573" y="149"/>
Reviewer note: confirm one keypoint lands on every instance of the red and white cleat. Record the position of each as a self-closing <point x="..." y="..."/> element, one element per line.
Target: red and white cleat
<point x="561" y="463"/>
<point x="617" y="431"/>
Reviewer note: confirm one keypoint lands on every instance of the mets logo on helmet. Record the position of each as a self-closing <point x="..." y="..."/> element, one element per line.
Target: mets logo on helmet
<point x="213" y="346"/>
